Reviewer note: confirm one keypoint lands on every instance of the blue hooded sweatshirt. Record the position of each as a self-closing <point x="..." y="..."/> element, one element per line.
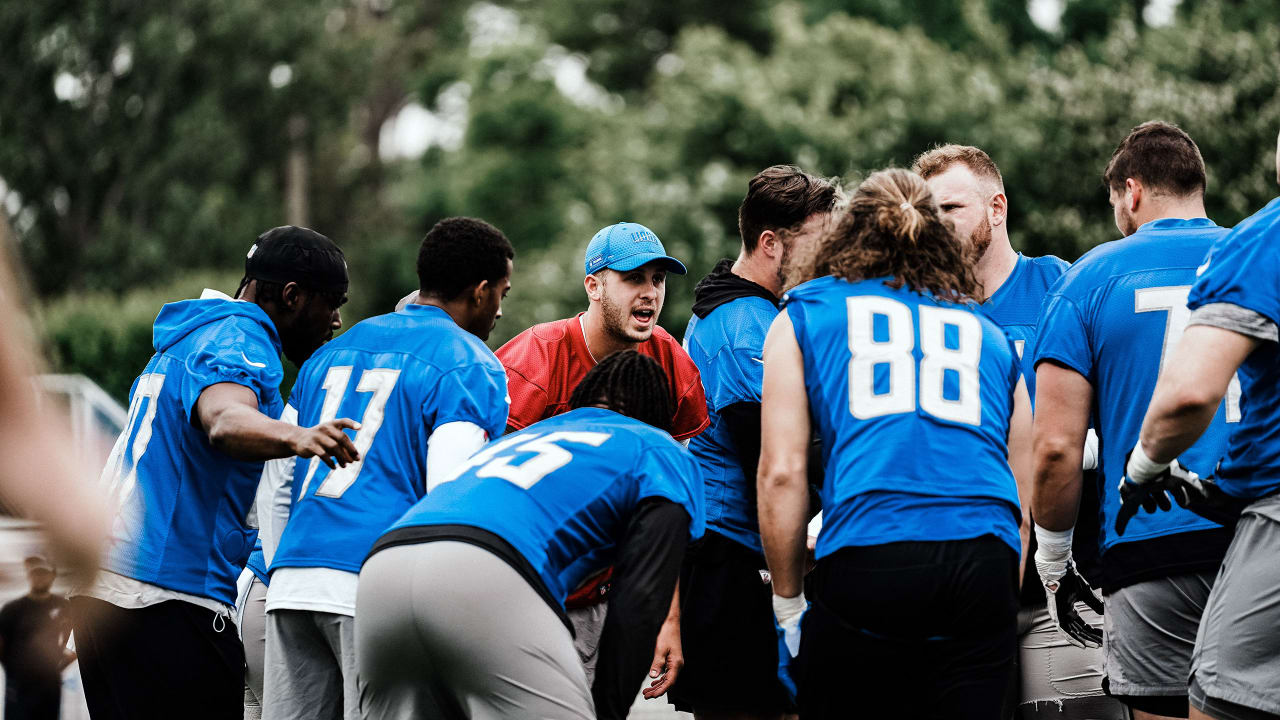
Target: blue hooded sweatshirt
<point x="180" y="522"/>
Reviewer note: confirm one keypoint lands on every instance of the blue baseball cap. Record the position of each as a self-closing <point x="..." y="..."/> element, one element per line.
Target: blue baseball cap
<point x="626" y="246"/>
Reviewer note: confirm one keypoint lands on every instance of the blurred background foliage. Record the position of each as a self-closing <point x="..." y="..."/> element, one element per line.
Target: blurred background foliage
<point x="144" y="145"/>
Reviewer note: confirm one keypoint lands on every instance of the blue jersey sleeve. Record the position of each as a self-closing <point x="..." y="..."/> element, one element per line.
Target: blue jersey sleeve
<point x="1063" y="337"/>
<point x="671" y="472"/>
<point x="473" y="393"/>
<point x="1241" y="266"/>
<point x="239" y="352"/>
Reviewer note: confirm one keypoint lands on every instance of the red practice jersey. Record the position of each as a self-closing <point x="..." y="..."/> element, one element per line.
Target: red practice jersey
<point x="546" y="362"/>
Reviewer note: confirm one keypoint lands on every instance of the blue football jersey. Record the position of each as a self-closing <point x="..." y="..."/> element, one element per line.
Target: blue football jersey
<point x="726" y="346"/>
<point x="257" y="563"/>
<point x="912" y="397"/>
<point x="180" y="522"/>
<point x="1115" y="318"/>
<point x="1015" y="306"/>
<point x="562" y="490"/>
<point x="1242" y="269"/>
<point x="401" y="376"/>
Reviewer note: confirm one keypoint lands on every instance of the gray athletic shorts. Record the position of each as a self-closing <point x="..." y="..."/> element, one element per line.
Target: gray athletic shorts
<point x="1237" y="656"/>
<point x="448" y="629"/>
<point x="310" y="669"/>
<point x="1149" y="632"/>
<point x="253" y="633"/>
<point x="588" y="626"/>
<point x="1058" y="679"/>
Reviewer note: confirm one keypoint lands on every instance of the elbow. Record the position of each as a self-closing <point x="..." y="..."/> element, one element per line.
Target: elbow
<point x="1192" y="399"/>
<point x="781" y="474"/>
<point x="219" y="435"/>
<point x="1054" y="451"/>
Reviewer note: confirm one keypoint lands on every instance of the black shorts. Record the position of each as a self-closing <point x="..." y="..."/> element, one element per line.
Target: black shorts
<point x="726" y="630"/>
<point x="910" y="629"/>
<point x="169" y="660"/>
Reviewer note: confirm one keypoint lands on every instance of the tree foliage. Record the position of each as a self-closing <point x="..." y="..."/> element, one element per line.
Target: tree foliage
<point x="167" y="149"/>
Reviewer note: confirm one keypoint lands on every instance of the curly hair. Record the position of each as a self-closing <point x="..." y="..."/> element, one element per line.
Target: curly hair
<point x="458" y="253"/>
<point x="891" y="227"/>
<point x="628" y="383"/>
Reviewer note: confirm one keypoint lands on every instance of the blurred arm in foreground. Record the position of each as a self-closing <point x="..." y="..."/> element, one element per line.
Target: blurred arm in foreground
<point x="41" y="478"/>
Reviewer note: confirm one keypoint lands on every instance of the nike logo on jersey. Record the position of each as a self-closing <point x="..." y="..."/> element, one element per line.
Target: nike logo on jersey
<point x="250" y="362"/>
<point x="1200" y="270"/>
<point x="759" y="360"/>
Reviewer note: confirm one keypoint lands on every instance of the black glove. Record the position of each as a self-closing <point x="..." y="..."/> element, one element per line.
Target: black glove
<point x="1203" y="497"/>
<point x="1063" y="587"/>
<point x="1149" y="494"/>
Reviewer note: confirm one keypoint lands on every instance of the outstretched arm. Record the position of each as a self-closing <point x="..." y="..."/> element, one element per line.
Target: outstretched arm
<point x="229" y="415"/>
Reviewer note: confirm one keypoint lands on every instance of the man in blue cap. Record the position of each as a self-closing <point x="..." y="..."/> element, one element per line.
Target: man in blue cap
<point x="626" y="271"/>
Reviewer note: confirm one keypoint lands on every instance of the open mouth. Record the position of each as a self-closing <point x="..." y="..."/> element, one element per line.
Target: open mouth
<point x="644" y="317"/>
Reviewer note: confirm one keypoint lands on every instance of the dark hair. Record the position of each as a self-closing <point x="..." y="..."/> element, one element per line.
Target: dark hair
<point x="940" y="159"/>
<point x="459" y="253"/>
<point x="892" y="227"/>
<point x="779" y="198"/>
<point x="1160" y="156"/>
<point x="628" y="383"/>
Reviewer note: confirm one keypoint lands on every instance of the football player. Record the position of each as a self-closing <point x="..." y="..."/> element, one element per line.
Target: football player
<point x="1054" y="676"/>
<point x="626" y="271"/>
<point x="922" y="410"/>
<point x="461" y="603"/>
<point x="1235" y="309"/>
<point x="154" y="631"/>
<point x="1109" y="327"/>
<point x="727" y="631"/>
<point x="427" y="393"/>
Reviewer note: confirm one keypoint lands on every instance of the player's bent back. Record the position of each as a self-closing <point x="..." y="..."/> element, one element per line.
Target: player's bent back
<point x="525" y="520"/>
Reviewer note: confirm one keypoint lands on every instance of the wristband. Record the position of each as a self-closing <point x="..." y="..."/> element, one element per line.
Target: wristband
<point x="1053" y="545"/>
<point x="788" y="610"/>
<point x="1142" y="469"/>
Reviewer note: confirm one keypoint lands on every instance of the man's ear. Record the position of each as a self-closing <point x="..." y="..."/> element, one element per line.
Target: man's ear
<point x="770" y="243"/>
<point x="478" y="292"/>
<point x="292" y="296"/>
<point x="1133" y="194"/>
<point x="594" y="286"/>
<point x="998" y="209"/>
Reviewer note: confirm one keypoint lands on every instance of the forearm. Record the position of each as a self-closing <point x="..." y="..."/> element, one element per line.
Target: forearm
<point x="1055" y="498"/>
<point x="644" y="584"/>
<point x="1192" y="386"/>
<point x="1060" y="427"/>
<point x="673" y="612"/>
<point x="244" y="433"/>
<point x="784" y="515"/>
<point x="1172" y="426"/>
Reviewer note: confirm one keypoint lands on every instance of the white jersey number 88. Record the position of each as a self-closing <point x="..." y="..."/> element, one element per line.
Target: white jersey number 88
<point x="895" y="353"/>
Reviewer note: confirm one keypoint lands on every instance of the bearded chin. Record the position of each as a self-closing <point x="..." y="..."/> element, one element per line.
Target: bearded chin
<point x="615" y="320"/>
<point x="981" y="238"/>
